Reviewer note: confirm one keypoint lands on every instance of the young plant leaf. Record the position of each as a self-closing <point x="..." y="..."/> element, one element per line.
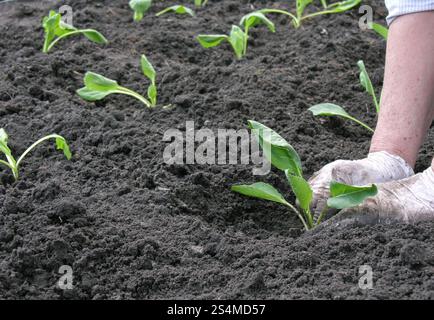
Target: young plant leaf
<point x="262" y="191"/>
<point x="152" y="94"/>
<point x="94" y="36"/>
<point x="147" y="68"/>
<point x="14" y="165"/>
<point x="238" y="40"/>
<point x="4" y="148"/>
<point x="200" y="3"/>
<point x="276" y="149"/>
<point x="140" y="7"/>
<point x="62" y="144"/>
<point x="301" y="189"/>
<point x="337" y="7"/>
<point x="342" y="6"/>
<point x="3" y="137"/>
<point x="301" y="6"/>
<point x="211" y="40"/>
<point x="178" y="9"/>
<point x="149" y="72"/>
<point x="98" y="82"/>
<point x="97" y="87"/>
<point x="380" y="29"/>
<point x="54" y="27"/>
<point x="345" y="196"/>
<point x="367" y="84"/>
<point x="330" y="110"/>
<point x="255" y="18"/>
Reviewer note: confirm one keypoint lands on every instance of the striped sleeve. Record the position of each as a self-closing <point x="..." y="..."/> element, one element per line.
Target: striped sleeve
<point x="400" y="7"/>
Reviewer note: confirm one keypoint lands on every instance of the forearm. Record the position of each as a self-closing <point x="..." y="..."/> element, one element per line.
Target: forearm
<point x="406" y="110"/>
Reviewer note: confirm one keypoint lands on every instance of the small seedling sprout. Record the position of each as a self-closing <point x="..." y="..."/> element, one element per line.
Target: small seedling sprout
<point x="301" y="6"/>
<point x="140" y="7"/>
<point x="200" y="3"/>
<point x="365" y="81"/>
<point x="149" y="72"/>
<point x="56" y="30"/>
<point x="237" y="37"/>
<point x="284" y="157"/>
<point x="178" y="9"/>
<point x="97" y="87"/>
<point x="14" y="164"/>
<point x="333" y="110"/>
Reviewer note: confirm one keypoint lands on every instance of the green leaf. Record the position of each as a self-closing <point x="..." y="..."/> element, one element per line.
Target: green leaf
<point x="147" y="68"/>
<point x="152" y="94"/>
<point x="4" y="136"/>
<point x="345" y="196"/>
<point x="4" y="146"/>
<point x="61" y="144"/>
<point x="380" y="29"/>
<point x="301" y="189"/>
<point x="260" y="190"/>
<point x="255" y="18"/>
<point x="330" y="110"/>
<point x="98" y="82"/>
<point x="211" y="40"/>
<point x="342" y="6"/>
<point x="92" y="95"/>
<point x="54" y="27"/>
<point x="95" y="36"/>
<point x="200" y="3"/>
<point x="364" y="78"/>
<point x="237" y="38"/>
<point x="178" y="9"/>
<point x="276" y="149"/>
<point x="140" y="7"/>
<point x="98" y="87"/>
<point x="301" y="6"/>
<point x="367" y="84"/>
<point x="50" y="24"/>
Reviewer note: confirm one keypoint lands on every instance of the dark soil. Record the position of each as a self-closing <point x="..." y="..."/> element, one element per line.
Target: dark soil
<point x="133" y="227"/>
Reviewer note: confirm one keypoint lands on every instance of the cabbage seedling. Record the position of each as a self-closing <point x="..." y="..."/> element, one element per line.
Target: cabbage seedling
<point x="333" y="110"/>
<point x="149" y="72"/>
<point x="140" y="7"/>
<point x="178" y="9"/>
<point x="252" y="20"/>
<point x="238" y="38"/>
<point x="14" y="164"/>
<point x="301" y="6"/>
<point x="283" y="156"/>
<point x="97" y="87"/>
<point x="200" y="3"/>
<point x="56" y="30"/>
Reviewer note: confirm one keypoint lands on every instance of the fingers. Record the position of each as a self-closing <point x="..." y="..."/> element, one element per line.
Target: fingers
<point x="353" y="217"/>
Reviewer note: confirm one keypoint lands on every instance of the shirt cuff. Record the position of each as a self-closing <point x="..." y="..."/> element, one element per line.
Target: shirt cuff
<point x="401" y="7"/>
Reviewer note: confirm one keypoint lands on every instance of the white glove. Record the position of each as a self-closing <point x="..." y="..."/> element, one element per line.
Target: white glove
<point x="378" y="167"/>
<point x="409" y="200"/>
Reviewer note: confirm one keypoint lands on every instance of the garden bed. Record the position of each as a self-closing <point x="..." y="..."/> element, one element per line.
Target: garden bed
<point x="131" y="226"/>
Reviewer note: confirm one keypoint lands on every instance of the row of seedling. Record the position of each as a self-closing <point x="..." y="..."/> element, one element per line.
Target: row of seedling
<point x="239" y="35"/>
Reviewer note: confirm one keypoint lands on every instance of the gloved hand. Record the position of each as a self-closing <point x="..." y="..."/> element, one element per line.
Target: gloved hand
<point x="409" y="200"/>
<point x="378" y="167"/>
